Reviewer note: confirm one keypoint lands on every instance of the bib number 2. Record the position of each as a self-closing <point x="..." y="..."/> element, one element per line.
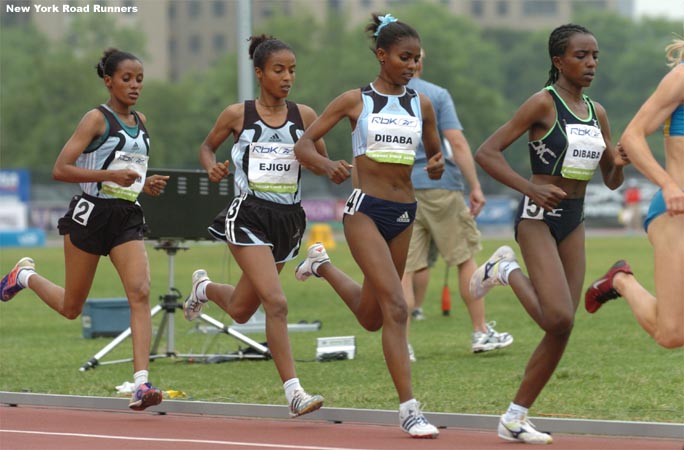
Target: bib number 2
<point x="82" y="211"/>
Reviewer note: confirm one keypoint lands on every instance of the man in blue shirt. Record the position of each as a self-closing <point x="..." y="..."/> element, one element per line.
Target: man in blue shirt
<point x="444" y="218"/>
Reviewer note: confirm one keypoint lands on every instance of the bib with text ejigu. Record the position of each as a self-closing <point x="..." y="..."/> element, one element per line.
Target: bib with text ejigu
<point x="272" y="167"/>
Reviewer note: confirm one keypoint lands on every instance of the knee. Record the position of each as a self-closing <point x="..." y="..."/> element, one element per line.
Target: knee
<point x="396" y="311"/>
<point x="72" y="313"/>
<point x="371" y="324"/>
<point x="560" y="324"/>
<point x="139" y="295"/>
<point x="670" y="340"/>
<point x="275" y="307"/>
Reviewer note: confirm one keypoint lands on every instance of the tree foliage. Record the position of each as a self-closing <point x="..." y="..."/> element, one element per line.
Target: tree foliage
<point x="47" y="85"/>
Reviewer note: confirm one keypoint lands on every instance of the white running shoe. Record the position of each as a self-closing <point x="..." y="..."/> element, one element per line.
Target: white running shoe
<point x="192" y="307"/>
<point x="522" y="430"/>
<point x="491" y="340"/>
<point x="413" y="422"/>
<point x="487" y="275"/>
<point x="316" y="255"/>
<point x="303" y="403"/>
<point x="412" y="354"/>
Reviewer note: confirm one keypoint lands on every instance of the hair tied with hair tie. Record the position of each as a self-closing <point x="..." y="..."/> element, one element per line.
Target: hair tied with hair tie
<point x="384" y="21"/>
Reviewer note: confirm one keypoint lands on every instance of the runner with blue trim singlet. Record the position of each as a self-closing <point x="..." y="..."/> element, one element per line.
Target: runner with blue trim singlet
<point x="387" y="121"/>
<point x="662" y="315"/>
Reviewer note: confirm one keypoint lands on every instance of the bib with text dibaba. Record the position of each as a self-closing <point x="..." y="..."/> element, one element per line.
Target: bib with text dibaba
<point x="393" y="138"/>
<point x="585" y="147"/>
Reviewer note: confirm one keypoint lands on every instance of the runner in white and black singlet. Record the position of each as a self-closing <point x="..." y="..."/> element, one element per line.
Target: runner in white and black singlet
<point x="108" y="156"/>
<point x="264" y="224"/>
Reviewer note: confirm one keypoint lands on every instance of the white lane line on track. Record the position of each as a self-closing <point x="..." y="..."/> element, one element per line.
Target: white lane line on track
<point x="189" y="441"/>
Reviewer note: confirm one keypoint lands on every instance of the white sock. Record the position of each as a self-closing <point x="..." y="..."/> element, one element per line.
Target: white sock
<point x="407" y="404"/>
<point x="505" y="269"/>
<point x="290" y="387"/>
<point x="515" y="412"/>
<point x="140" y="377"/>
<point x="201" y="291"/>
<point x="24" y="275"/>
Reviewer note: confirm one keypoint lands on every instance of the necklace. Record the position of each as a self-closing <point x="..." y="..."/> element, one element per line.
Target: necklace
<point x="270" y="106"/>
<point x="122" y="114"/>
<point x="566" y="90"/>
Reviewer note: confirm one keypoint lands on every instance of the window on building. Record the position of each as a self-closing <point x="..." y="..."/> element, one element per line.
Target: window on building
<point x="502" y="7"/>
<point x="580" y="5"/>
<point x="195" y="43"/>
<point x="219" y="42"/>
<point x="172" y="46"/>
<point x="172" y="10"/>
<point x="335" y="5"/>
<point x="477" y="8"/>
<point x="540" y="7"/>
<point x="219" y="8"/>
<point x="194" y="9"/>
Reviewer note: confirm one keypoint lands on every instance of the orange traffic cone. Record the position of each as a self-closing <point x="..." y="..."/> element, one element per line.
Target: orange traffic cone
<point x="446" y="295"/>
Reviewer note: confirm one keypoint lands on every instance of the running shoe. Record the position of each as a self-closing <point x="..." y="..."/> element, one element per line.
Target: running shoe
<point x="522" y="430"/>
<point x="303" y="403"/>
<point x="417" y="314"/>
<point x="192" y="307"/>
<point x="413" y="422"/>
<point x="412" y="354"/>
<point x="10" y="286"/>
<point x="491" y="340"/>
<point x="602" y="289"/>
<point x="487" y="275"/>
<point x="145" y="396"/>
<point x="316" y="255"/>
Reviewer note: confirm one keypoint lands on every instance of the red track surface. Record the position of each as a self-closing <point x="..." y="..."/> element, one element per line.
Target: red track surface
<point x="30" y="428"/>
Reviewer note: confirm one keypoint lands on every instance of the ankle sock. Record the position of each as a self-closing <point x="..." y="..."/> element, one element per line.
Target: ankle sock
<point x="290" y="387"/>
<point x="140" y="377"/>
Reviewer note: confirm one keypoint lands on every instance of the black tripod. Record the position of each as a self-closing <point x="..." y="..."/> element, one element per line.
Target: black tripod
<point x="169" y="304"/>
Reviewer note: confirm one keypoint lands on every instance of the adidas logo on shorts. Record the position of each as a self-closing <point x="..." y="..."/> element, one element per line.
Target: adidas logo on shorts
<point x="404" y="218"/>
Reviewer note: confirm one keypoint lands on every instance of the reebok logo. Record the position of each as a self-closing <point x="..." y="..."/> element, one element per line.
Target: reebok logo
<point x="404" y="218"/>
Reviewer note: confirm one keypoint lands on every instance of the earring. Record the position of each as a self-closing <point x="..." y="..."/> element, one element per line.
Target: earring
<point x="382" y="61"/>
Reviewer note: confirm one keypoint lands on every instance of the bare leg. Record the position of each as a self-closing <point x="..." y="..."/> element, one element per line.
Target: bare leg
<point x="259" y="284"/>
<point x="663" y="318"/>
<point x="380" y="301"/>
<point x="475" y="306"/>
<point x="550" y="295"/>
<point x="80" y="270"/>
<point x="130" y="261"/>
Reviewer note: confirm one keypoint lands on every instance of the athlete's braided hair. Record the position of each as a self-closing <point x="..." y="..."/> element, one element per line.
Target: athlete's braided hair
<point x="261" y="47"/>
<point x="558" y="43"/>
<point x="110" y="61"/>
<point x="390" y="33"/>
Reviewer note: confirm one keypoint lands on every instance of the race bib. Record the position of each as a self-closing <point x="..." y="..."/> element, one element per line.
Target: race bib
<point x="82" y="211"/>
<point x="531" y="210"/>
<point x="124" y="160"/>
<point x="353" y="202"/>
<point x="393" y="138"/>
<point x="585" y="147"/>
<point x="272" y="167"/>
